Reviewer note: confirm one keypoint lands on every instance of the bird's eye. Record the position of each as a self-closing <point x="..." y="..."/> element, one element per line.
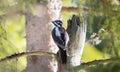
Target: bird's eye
<point x="58" y="22"/>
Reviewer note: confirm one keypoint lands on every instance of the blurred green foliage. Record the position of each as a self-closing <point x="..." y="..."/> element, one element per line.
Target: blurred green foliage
<point x="12" y="41"/>
<point x="12" y="34"/>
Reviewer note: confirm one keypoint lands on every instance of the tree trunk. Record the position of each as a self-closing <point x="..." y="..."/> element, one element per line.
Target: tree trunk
<point x="38" y="34"/>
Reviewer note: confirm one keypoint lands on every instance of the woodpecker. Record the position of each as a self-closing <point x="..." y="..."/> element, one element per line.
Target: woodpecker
<point x="61" y="38"/>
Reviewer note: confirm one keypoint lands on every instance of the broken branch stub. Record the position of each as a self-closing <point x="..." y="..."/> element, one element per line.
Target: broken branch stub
<point x="77" y="32"/>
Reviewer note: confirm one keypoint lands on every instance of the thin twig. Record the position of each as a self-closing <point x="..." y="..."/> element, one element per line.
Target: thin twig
<point x="97" y="62"/>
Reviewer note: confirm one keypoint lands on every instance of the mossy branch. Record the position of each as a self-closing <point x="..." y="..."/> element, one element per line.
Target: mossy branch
<point x="14" y="56"/>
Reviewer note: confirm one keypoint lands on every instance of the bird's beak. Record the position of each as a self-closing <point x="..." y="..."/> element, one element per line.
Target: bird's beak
<point x="54" y="23"/>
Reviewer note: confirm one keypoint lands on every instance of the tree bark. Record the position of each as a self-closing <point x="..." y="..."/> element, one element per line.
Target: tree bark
<point x="38" y="34"/>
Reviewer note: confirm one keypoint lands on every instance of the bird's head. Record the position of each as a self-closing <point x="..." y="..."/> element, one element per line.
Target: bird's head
<point x="57" y="23"/>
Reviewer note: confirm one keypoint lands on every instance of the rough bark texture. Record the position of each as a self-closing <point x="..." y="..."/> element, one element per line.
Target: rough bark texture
<point x="70" y="9"/>
<point x="77" y="32"/>
<point x="38" y="35"/>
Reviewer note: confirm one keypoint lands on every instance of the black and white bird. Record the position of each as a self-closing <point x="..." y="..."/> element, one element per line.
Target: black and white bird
<point x="61" y="38"/>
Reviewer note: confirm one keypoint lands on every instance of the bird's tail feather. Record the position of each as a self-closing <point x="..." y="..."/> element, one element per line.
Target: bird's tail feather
<point x="63" y="56"/>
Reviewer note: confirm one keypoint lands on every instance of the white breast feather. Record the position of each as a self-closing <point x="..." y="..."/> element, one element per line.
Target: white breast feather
<point x="57" y="32"/>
